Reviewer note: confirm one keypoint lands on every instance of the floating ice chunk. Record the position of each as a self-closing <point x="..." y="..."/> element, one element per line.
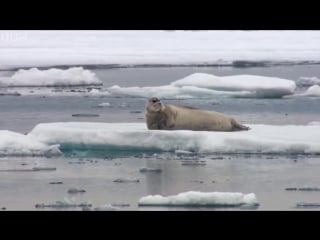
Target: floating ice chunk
<point x="57" y="182"/>
<point x="308" y="81"/>
<point x="120" y="204"/>
<point x="195" y="198"/>
<point x="64" y="204"/>
<point x="106" y="104"/>
<point x="6" y="93"/>
<point x="76" y="76"/>
<point x="44" y="169"/>
<point x="183" y="152"/>
<point x="204" y="85"/>
<point x="106" y="207"/>
<point x="145" y="170"/>
<point x="307" y="205"/>
<point x="256" y="85"/>
<point x="193" y="163"/>
<point x="313" y="91"/>
<point x="85" y="115"/>
<point x="76" y="190"/>
<point x="122" y="180"/>
<point x="303" y="189"/>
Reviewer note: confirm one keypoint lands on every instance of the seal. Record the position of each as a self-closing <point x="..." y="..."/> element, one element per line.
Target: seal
<point x="173" y="117"/>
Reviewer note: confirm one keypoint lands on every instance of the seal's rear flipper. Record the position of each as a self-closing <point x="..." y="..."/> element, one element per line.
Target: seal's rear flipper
<point x="238" y="126"/>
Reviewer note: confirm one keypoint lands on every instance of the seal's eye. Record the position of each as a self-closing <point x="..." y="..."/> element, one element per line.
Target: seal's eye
<point x="155" y="100"/>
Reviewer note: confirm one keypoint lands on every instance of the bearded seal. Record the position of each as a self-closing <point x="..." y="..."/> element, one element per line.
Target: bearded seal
<point x="173" y="117"/>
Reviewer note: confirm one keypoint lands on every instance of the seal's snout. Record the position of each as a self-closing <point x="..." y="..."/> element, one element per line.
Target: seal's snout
<point x="154" y="100"/>
<point x="154" y="104"/>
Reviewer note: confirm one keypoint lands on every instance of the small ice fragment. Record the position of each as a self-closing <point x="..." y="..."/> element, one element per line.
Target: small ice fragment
<point x="144" y="170"/>
<point x="105" y="104"/>
<point x="75" y="190"/>
<point x="85" y="115"/>
<point x="44" y="169"/>
<point x="306" y="205"/>
<point x="55" y="182"/>
<point x="106" y="207"/>
<point x="121" y="180"/>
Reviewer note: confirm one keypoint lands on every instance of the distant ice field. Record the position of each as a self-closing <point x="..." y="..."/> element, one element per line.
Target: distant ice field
<point x="139" y="48"/>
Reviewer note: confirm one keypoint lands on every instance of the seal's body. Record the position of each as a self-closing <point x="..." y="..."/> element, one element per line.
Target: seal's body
<point x="173" y="117"/>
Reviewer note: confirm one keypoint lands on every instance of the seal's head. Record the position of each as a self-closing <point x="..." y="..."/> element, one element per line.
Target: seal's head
<point x="154" y="105"/>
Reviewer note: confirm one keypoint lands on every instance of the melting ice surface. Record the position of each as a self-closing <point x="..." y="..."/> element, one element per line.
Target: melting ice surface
<point x="262" y="139"/>
<point x="195" y="198"/>
<point x="207" y="85"/>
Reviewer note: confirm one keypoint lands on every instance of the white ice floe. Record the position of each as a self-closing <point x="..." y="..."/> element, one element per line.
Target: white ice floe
<point x="52" y="48"/>
<point x="313" y="91"/>
<point x="289" y="139"/>
<point x="76" y="76"/>
<point x="308" y="81"/>
<point x="207" y="85"/>
<point x="195" y="198"/>
<point x="104" y="104"/>
<point x="105" y="207"/>
<point x="16" y="144"/>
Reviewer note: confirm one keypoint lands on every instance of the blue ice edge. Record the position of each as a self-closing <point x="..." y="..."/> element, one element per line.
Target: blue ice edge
<point x="132" y="138"/>
<point x="101" y="151"/>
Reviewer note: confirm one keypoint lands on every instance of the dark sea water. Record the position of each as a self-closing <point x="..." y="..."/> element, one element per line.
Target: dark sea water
<point x="265" y="175"/>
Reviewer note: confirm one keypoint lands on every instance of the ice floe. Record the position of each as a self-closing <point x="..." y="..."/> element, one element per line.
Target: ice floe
<point x="313" y="91"/>
<point x="196" y="198"/>
<point x="50" y="139"/>
<point x="308" y="81"/>
<point x="263" y="139"/>
<point x="202" y="85"/>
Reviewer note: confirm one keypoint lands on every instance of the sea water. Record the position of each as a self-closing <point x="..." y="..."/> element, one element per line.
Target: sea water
<point x="266" y="175"/>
